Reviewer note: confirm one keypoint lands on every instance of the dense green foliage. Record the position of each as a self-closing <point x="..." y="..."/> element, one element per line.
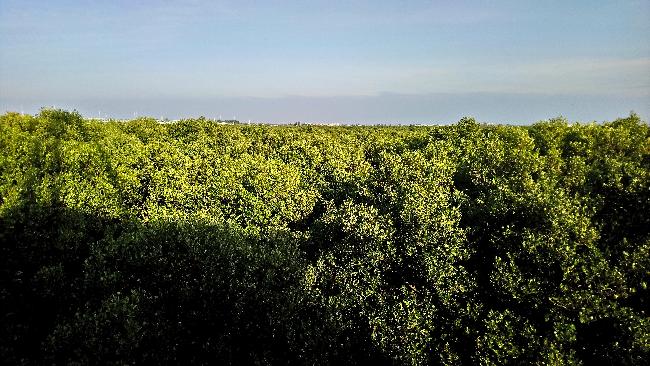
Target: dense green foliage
<point x="195" y="242"/>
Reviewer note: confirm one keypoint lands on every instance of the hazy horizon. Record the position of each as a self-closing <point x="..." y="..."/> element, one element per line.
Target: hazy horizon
<point x="346" y="62"/>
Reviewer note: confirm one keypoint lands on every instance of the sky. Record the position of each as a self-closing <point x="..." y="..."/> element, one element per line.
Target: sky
<point x="328" y="61"/>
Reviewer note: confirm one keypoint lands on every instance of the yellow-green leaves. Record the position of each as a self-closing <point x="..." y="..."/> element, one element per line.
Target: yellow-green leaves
<point x="146" y="243"/>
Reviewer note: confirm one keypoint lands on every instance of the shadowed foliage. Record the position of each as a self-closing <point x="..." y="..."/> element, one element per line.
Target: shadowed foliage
<point x="193" y="242"/>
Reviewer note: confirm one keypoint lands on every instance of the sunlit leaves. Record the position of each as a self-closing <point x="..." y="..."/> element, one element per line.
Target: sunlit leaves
<point x="189" y="242"/>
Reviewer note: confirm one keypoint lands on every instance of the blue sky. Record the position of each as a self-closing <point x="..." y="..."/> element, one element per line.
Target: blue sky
<point x="334" y="61"/>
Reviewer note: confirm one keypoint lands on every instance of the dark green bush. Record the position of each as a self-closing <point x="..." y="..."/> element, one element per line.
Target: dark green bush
<point x="202" y="243"/>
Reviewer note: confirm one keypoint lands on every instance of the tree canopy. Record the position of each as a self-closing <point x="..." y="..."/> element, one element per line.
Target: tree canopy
<point x="194" y="242"/>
